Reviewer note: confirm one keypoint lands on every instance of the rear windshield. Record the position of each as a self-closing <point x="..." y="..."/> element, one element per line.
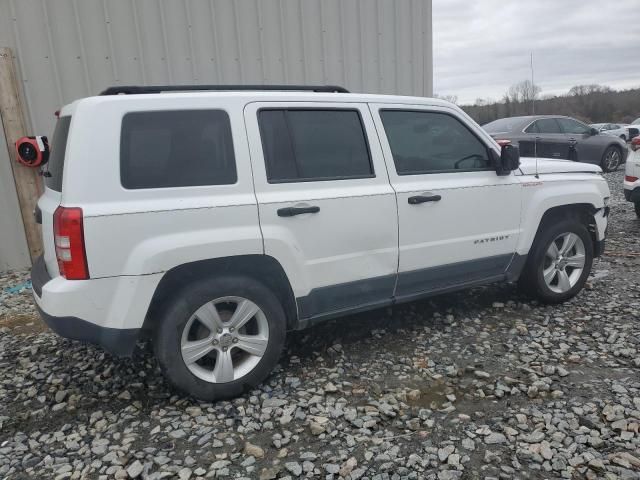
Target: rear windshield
<point x="58" y="146"/>
<point x="503" y="125"/>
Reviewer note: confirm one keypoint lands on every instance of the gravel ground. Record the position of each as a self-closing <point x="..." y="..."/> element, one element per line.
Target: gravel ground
<point x="481" y="384"/>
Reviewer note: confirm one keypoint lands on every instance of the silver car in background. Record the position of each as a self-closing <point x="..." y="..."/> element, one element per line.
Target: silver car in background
<point x="615" y="129"/>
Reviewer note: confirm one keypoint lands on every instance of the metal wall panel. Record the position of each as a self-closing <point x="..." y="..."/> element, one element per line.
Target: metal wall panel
<point x="67" y="49"/>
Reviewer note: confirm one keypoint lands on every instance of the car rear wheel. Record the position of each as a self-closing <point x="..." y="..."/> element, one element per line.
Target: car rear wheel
<point x="220" y="337"/>
<point x="559" y="262"/>
<point x="611" y="159"/>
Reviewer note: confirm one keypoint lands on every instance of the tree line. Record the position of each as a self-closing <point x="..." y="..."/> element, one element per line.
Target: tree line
<point x="589" y="103"/>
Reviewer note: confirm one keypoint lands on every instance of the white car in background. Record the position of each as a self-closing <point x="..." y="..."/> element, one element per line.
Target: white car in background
<point x="615" y="129"/>
<point x="633" y="129"/>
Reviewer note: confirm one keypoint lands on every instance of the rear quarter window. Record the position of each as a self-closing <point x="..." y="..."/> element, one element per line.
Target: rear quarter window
<point x="55" y="167"/>
<point x="177" y="148"/>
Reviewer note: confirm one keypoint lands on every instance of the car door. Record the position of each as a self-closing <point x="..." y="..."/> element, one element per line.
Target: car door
<point x="589" y="148"/>
<point x="459" y="221"/>
<point x="327" y="211"/>
<point x="549" y="140"/>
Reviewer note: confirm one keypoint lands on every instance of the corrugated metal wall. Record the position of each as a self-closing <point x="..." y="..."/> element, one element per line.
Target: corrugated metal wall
<point x="68" y="49"/>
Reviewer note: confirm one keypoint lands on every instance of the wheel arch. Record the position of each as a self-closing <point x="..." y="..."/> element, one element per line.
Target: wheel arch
<point x="584" y="211"/>
<point x="262" y="268"/>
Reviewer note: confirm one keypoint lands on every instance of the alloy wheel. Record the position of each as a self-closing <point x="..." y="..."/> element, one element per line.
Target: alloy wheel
<point x="225" y="339"/>
<point x="612" y="159"/>
<point x="564" y="262"/>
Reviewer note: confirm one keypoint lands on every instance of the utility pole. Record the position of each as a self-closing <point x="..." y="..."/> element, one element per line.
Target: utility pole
<point x="27" y="180"/>
<point x="533" y="90"/>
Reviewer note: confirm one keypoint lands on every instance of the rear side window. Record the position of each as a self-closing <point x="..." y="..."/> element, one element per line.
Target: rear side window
<point x="313" y="145"/>
<point x="58" y="147"/>
<point x="177" y="148"/>
<point x="430" y="142"/>
<point x="533" y="128"/>
<point x="548" y="125"/>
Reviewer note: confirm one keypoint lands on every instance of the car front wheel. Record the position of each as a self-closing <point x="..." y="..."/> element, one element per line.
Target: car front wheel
<point x="220" y="337"/>
<point x="611" y="159"/>
<point x="559" y="262"/>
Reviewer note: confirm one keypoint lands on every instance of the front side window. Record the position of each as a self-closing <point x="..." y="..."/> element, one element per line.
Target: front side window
<point x="176" y="148"/>
<point x="574" y="127"/>
<point x="548" y="125"/>
<point x="313" y="145"/>
<point x="430" y="142"/>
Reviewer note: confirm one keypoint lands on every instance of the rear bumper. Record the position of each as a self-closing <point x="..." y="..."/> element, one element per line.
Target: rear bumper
<point x="108" y="312"/>
<point x="119" y="342"/>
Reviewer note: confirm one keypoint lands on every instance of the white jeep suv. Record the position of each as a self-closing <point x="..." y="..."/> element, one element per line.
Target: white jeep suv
<point x="214" y="220"/>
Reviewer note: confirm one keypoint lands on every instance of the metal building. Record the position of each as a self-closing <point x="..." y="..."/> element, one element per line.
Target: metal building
<point x="68" y="49"/>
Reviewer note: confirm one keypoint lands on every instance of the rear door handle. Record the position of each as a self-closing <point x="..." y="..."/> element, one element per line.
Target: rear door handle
<point x="291" y="211"/>
<point x="424" y="198"/>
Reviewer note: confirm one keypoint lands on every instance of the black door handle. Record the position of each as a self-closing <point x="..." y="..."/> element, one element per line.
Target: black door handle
<point x="291" y="211"/>
<point x="424" y="198"/>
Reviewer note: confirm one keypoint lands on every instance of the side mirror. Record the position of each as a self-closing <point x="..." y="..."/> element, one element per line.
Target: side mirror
<point x="594" y="131"/>
<point x="509" y="160"/>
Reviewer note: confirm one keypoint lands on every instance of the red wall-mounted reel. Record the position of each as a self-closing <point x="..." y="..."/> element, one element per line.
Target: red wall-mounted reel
<point x="33" y="151"/>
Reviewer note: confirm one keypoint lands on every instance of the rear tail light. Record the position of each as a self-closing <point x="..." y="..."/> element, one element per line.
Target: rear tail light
<point x="630" y="179"/>
<point x="502" y="143"/>
<point x="635" y="143"/>
<point x="69" y="240"/>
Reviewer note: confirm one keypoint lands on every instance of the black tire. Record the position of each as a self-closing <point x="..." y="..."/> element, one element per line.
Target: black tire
<point x="175" y="315"/>
<point x="532" y="281"/>
<point x="637" y="208"/>
<point x="606" y="164"/>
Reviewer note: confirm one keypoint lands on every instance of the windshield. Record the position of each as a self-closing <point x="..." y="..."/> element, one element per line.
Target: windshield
<point x="503" y="125"/>
<point x="55" y="166"/>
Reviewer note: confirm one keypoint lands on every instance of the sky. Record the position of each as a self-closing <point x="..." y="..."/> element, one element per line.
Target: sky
<point x="481" y="47"/>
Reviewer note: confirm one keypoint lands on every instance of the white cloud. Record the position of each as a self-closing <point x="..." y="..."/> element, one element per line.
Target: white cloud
<point x="482" y="47"/>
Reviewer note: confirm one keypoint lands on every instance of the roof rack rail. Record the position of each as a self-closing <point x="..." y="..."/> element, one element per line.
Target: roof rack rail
<point x="137" y="89"/>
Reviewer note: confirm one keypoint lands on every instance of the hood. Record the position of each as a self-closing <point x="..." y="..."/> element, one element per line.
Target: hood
<point x="548" y="165"/>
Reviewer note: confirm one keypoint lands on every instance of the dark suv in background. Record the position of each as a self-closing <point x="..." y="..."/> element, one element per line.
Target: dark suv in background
<point x="547" y="136"/>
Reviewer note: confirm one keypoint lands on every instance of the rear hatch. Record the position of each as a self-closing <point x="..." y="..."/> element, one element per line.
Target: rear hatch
<point x="50" y="200"/>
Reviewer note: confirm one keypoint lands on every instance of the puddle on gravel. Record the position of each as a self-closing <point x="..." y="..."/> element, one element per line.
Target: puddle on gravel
<point x="433" y="396"/>
<point x="23" y="324"/>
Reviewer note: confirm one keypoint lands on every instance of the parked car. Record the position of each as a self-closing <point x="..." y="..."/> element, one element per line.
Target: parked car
<point x="615" y="129"/>
<point x="560" y="137"/>
<point x="215" y="221"/>
<point x="633" y="129"/>
<point x="632" y="176"/>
